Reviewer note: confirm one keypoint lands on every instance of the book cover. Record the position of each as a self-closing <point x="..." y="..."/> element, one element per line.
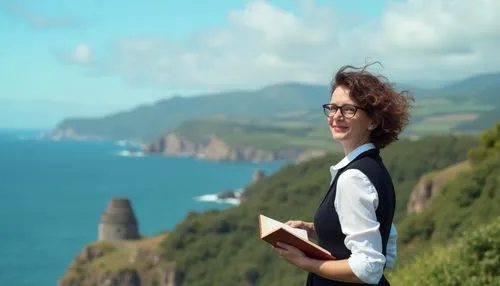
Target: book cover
<point x="273" y="231"/>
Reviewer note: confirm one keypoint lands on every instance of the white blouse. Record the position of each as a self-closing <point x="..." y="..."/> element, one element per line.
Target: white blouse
<point x="355" y="203"/>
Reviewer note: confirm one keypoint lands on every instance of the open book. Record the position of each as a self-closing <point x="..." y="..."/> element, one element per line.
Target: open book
<point x="273" y="231"/>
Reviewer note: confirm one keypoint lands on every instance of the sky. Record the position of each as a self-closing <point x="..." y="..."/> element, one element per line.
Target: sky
<point x="90" y="58"/>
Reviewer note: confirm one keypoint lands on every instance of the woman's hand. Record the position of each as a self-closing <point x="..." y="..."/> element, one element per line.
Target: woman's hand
<point x="291" y="254"/>
<point x="307" y="226"/>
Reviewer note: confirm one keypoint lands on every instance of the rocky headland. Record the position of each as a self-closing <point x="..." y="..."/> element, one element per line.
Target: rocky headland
<point x="121" y="256"/>
<point x="68" y="133"/>
<point x="430" y="185"/>
<point x="121" y="263"/>
<point x="216" y="149"/>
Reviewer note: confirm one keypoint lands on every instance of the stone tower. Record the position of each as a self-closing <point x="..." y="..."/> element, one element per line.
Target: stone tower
<point x="118" y="221"/>
<point x="257" y="175"/>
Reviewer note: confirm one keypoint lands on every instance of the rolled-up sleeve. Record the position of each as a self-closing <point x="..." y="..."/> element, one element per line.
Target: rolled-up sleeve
<point x="355" y="203"/>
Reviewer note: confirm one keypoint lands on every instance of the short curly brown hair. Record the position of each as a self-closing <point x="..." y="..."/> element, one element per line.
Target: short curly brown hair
<point x="387" y="107"/>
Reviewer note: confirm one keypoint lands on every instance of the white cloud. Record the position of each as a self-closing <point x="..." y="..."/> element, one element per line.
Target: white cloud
<point x="82" y="54"/>
<point x="263" y="44"/>
<point x="444" y="38"/>
<point x="39" y="20"/>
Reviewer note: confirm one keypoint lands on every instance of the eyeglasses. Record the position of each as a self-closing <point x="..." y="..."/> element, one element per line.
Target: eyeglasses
<point x="347" y="110"/>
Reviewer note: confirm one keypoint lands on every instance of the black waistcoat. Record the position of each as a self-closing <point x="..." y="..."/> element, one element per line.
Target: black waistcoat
<point x="326" y="220"/>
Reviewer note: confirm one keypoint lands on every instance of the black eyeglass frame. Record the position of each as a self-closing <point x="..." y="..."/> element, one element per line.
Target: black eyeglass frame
<point x="327" y="109"/>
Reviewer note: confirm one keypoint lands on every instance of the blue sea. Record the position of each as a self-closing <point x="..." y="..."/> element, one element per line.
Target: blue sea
<point x="54" y="192"/>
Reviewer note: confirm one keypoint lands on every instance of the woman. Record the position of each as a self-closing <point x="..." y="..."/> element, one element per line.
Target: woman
<point x="354" y="220"/>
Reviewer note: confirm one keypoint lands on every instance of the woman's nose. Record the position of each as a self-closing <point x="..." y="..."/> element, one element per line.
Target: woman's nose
<point x="336" y="114"/>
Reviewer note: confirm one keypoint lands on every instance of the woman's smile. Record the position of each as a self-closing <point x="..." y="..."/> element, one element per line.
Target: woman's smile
<point x="340" y="128"/>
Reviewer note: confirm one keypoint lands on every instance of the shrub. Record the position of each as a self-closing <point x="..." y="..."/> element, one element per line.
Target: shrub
<point x="473" y="260"/>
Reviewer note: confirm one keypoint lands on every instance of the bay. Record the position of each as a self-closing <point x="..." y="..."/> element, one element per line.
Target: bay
<point x="54" y="192"/>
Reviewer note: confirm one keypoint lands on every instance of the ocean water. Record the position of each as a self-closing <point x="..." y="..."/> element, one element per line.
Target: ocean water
<point x="54" y="192"/>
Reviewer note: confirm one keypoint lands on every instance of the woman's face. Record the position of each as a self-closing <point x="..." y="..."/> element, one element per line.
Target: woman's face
<point x="350" y="132"/>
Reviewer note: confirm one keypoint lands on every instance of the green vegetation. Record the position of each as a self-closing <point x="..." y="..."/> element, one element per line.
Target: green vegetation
<point x="474" y="259"/>
<point x="223" y="248"/>
<point x="490" y="144"/>
<point x="409" y="160"/>
<point x="118" y="259"/>
<point x="468" y="200"/>
<point x="309" y="130"/>
<point x="447" y="106"/>
<point x="483" y="121"/>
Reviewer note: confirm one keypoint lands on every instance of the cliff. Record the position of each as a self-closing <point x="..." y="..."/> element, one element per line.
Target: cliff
<point x="127" y="263"/>
<point x="430" y="185"/>
<point x="69" y="132"/>
<point x="216" y="149"/>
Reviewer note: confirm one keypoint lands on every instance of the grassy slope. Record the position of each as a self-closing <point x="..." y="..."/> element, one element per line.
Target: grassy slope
<point x="412" y="159"/>
<point x="472" y="260"/>
<point x="469" y="199"/>
<point x="222" y="247"/>
<point x="116" y="257"/>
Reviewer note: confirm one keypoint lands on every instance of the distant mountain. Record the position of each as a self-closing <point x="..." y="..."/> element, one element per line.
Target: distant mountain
<point x="149" y="121"/>
<point x="469" y="101"/>
<point x="474" y="83"/>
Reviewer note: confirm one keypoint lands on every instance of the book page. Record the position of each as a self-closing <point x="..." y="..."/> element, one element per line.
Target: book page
<point x="269" y="224"/>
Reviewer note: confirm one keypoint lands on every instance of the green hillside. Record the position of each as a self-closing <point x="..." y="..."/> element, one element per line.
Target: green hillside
<point x="468" y="105"/>
<point x="470" y="199"/>
<point x="222" y="247"/>
<point x="308" y="129"/>
<point x="471" y="105"/>
<point x="467" y="208"/>
<point x="149" y="121"/>
<point x="473" y="260"/>
<point x="259" y="133"/>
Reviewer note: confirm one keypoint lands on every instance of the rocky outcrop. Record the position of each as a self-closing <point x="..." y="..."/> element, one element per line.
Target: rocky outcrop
<point x="227" y="194"/>
<point x="309" y="154"/>
<point x="430" y="185"/>
<point x="68" y="133"/>
<point x="172" y="144"/>
<point x="121" y="264"/>
<point x="215" y="149"/>
<point x="422" y="194"/>
<point x="120" y="257"/>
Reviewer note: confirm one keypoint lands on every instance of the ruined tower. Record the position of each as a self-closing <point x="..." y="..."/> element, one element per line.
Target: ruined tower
<point x="257" y="175"/>
<point x="118" y="221"/>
